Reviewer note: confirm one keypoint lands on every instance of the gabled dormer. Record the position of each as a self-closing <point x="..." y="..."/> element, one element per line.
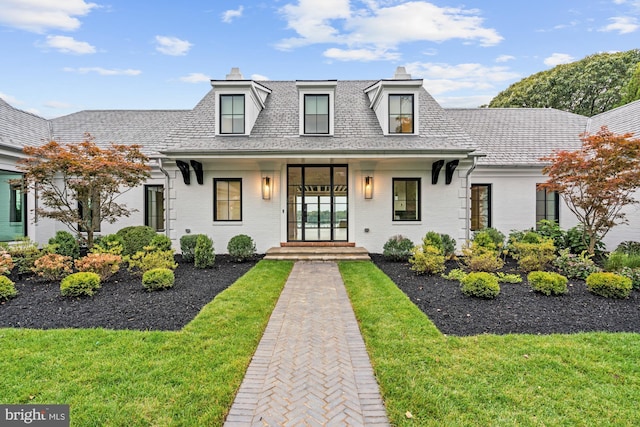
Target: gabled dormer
<point x="395" y="102"/>
<point x="316" y="100"/>
<point x="238" y="103"/>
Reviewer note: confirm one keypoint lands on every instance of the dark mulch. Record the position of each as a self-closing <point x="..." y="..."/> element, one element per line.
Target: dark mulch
<point x="517" y="309"/>
<point x="122" y="302"/>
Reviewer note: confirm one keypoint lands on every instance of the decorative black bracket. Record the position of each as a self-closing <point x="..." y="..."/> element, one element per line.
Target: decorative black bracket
<point x="451" y="166"/>
<point x="435" y="171"/>
<point x="197" y="168"/>
<point x="184" y="169"/>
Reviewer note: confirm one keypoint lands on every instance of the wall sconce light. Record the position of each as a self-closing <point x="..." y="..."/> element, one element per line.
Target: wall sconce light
<point x="368" y="187"/>
<point x="266" y="187"/>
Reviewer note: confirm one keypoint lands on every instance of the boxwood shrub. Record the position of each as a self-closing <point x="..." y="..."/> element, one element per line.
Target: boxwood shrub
<point x="7" y="288"/>
<point x="136" y="237"/>
<point x="241" y="248"/>
<point x="609" y="285"/>
<point x="397" y="248"/>
<point x="548" y="283"/>
<point x="158" y="278"/>
<point x="480" y="285"/>
<point x="77" y="284"/>
<point x="65" y="244"/>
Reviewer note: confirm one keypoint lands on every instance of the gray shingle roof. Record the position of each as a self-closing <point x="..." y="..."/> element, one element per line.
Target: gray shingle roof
<point x="619" y="120"/>
<point x="19" y="128"/>
<point x="520" y="136"/>
<point x="147" y="128"/>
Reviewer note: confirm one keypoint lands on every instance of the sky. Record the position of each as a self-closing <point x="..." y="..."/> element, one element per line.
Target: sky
<point x="63" y="56"/>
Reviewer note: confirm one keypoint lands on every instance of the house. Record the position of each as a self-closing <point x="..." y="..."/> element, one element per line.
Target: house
<point x="330" y="162"/>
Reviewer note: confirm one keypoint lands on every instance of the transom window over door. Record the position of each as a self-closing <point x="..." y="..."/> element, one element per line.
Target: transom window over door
<point x="232" y="114"/>
<point x="480" y="206"/>
<point x="400" y="113"/>
<point x="227" y="199"/>
<point x="316" y="114"/>
<point x="406" y="199"/>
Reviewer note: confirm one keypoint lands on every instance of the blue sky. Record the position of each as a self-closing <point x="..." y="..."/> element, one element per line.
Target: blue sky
<point x="62" y="56"/>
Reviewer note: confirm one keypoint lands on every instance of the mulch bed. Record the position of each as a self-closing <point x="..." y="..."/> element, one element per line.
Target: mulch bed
<point x="517" y="309"/>
<point x="121" y="302"/>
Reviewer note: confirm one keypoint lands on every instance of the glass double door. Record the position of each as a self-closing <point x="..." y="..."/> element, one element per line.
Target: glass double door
<point x="317" y="208"/>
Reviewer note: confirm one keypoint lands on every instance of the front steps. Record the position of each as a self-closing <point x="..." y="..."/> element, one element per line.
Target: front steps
<point x="318" y="253"/>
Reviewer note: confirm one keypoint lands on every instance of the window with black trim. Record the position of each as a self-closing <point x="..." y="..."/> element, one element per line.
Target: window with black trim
<point x="400" y="113"/>
<point x="227" y="199"/>
<point x="406" y="199"/>
<point x="154" y="206"/>
<point x="16" y="202"/>
<point x="547" y="205"/>
<point x="480" y="206"/>
<point x="316" y="114"/>
<point x="89" y="211"/>
<point x="232" y="114"/>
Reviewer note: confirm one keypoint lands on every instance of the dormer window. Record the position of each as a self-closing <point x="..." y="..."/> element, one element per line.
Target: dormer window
<point x="232" y="114"/>
<point x="316" y="114"/>
<point x="400" y="113"/>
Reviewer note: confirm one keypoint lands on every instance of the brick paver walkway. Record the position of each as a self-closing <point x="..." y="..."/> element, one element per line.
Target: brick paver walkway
<point x="311" y="367"/>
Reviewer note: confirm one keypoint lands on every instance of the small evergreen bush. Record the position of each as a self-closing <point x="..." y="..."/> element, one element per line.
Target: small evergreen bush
<point x="496" y="236"/>
<point x="448" y="246"/>
<point x="78" y="284"/>
<point x="204" y="256"/>
<point x="104" y="265"/>
<point x="609" y="285"/>
<point x="433" y="239"/>
<point x="188" y="246"/>
<point x="427" y="259"/>
<point x="480" y="285"/>
<point x="109" y="244"/>
<point x="160" y="242"/>
<point x="65" y="244"/>
<point x="397" y="248"/>
<point x="52" y="266"/>
<point x="144" y="261"/>
<point x="158" y="278"/>
<point x="135" y="238"/>
<point x="7" y="288"/>
<point x="241" y="248"/>
<point x="547" y="283"/>
<point x="533" y="253"/>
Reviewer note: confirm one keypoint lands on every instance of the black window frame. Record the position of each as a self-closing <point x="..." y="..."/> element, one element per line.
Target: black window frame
<point x="215" y="199"/>
<point x="233" y="131"/>
<point x="17" y="202"/>
<point x="476" y="205"/>
<point x="418" y="201"/>
<point x="316" y="115"/>
<point x="393" y="129"/>
<point x="545" y="201"/>
<point x="160" y="218"/>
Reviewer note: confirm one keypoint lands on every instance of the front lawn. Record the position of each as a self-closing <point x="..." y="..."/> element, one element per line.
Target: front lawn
<point x="429" y="379"/>
<point x="136" y="378"/>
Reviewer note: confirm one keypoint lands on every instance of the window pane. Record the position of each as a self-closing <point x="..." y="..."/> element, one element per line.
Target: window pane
<point x="235" y="210"/>
<point x="310" y="104"/>
<point x="310" y="125"/>
<point x="234" y="190"/>
<point x="322" y="124"/>
<point x="223" y="210"/>
<point x="226" y="104"/>
<point x="394" y="104"/>
<point x="226" y="124"/>
<point x="238" y="105"/>
<point x="322" y="104"/>
<point x="406" y="104"/>
<point x="238" y="124"/>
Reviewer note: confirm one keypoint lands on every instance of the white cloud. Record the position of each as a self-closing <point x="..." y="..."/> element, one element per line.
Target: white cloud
<point x="9" y="99"/>
<point x="622" y="24"/>
<point x="39" y="16"/>
<point x="464" y="101"/>
<point x="172" y="46"/>
<point x="67" y="44"/>
<point x="557" y="59"/>
<point x="442" y="78"/>
<point x="364" y="55"/>
<point x="259" y="77"/>
<point x="57" y="105"/>
<point x="195" y="78"/>
<point x="505" y="58"/>
<point x="103" y="71"/>
<point x="229" y="15"/>
<point x="381" y="25"/>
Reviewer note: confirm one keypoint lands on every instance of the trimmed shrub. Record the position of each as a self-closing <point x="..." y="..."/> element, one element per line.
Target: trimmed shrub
<point x="78" y="284"/>
<point x="6" y="262"/>
<point x="533" y="255"/>
<point x="547" y="283"/>
<point x="397" y="248"/>
<point x="480" y="285"/>
<point x="158" y="278"/>
<point x="241" y="248"/>
<point x="52" y="266"/>
<point x="109" y="244"/>
<point x="7" y="288"/>
<point x="135" y="238"/>
<point x="160" y="242"/>
<point x="609" y="285"/>
<point x="63" y="243"/>
<point x="104" y="265"/>
<point x="204" y="256"/>
<point x="144" y="261"/>
<point x="575" y="266"/>
<point x="427" y="259"/>
<point x="188" y="246"/>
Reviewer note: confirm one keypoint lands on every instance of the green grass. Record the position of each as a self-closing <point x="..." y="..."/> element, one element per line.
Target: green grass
<point x="132" y="378"/>
<point x="589" y="379"/>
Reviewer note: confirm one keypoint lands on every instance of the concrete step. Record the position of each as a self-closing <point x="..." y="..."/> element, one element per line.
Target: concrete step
<point x="317" y="253"/>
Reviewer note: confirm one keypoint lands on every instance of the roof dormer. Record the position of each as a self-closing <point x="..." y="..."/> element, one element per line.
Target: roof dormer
<point x="316" y="100"/>
<point x="395" y="102"/>
<point x="238" y="103"/>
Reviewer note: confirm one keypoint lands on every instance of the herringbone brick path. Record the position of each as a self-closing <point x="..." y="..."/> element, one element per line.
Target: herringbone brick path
<point x="311" y="367"/>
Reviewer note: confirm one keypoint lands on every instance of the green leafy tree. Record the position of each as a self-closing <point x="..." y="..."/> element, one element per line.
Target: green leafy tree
<point x="590" y="86"/>
<point x="83" y="174"/>
<point x="597" y="181"/>
<point x="632" y="91"/>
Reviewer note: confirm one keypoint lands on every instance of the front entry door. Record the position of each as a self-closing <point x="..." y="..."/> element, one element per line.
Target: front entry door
<point x="317" y="203"/>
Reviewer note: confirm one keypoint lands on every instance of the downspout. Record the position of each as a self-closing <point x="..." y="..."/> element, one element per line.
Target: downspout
<point x="467" y="215"/>
<point x="167" y="215"/>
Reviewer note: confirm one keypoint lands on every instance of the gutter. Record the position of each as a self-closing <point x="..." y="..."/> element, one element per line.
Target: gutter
<point x="467" y="215"/>
<point x="167" y="215"/>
